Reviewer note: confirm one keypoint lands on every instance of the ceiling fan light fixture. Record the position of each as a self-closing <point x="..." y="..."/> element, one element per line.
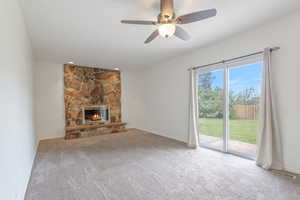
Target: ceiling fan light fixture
<point x="167" y="22"/>
<point x="167" y="30"/>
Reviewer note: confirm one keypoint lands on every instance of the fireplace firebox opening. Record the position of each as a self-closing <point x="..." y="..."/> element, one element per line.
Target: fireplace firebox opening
<point x="96" y="114"/>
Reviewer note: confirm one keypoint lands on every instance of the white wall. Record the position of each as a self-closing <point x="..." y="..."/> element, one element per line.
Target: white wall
<point x="17" y="139"/>
<point x="49" y="100"/>
<point x="166" y="85"/>
<point x="132" y="99"/>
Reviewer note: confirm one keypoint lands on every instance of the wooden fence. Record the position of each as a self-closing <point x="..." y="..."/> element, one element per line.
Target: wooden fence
<point x="246" y="112"/>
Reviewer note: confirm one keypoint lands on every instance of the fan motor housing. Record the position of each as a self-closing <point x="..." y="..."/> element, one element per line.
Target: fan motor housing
<point x="166" y="19"/>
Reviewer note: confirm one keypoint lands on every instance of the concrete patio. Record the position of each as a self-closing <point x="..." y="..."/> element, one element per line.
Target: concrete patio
<point x="236" y="146"/>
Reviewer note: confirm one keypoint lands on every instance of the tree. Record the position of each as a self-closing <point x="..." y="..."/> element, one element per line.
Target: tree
<point x="210" y="102"/>
<point x="247" y="97"/>
<point x="206" y="80"/>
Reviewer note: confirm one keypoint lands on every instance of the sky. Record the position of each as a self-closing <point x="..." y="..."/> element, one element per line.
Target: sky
<point x="240" y="78"/>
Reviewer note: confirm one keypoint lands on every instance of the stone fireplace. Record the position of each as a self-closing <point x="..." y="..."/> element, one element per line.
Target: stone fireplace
<point x="92" y="96"/>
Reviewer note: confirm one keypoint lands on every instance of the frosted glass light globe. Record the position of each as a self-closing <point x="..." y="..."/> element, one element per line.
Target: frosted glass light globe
<point x="167" y="30"/>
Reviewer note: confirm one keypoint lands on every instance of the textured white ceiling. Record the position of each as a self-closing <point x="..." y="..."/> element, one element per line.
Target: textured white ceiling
<point x="89" y="32"/>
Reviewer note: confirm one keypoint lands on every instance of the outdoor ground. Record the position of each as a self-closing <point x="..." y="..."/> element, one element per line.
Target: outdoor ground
<point x="240" y="130"/>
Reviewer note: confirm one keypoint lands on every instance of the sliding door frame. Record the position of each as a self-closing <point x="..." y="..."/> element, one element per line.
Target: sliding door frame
<point x="226" y="110"/>
<point x="226" y="131"/>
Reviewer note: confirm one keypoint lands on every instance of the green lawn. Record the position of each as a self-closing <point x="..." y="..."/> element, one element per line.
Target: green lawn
<point x="241" y="130"/>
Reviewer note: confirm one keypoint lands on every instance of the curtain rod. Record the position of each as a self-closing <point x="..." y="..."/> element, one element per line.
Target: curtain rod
<point x="232" y="59"/>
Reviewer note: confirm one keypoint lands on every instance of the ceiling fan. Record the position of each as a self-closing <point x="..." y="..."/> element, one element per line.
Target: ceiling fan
<point x="168" y="23"/>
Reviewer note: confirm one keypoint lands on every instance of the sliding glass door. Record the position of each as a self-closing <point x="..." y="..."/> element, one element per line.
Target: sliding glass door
<point x="228" y="104"/>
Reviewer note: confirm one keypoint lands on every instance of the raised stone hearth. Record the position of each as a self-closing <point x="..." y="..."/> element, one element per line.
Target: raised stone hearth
<point x="94" y="130"/>
<point x="84" y="87"/>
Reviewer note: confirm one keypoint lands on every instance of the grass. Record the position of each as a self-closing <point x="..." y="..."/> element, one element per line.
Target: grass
<point x="240" y="130"/>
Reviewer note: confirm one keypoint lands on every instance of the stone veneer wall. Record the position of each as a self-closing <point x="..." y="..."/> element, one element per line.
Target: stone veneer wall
<point x="85" y="86"/>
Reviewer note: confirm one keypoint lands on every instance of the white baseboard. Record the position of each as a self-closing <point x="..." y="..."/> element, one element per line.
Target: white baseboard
<point x="163" y="135"/>
<point x="31" y="169"/>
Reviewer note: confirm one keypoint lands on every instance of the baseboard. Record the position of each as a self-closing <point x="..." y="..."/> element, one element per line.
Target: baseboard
<point x="32" y="165"/>
<point x="285" y="173"/>
<point x="292" y="172"/>
<point x="51" y="139"/>
<point x="162" y="135"/>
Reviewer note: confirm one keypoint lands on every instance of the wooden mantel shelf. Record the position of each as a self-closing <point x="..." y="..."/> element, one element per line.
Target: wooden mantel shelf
<point x="93" y="126"/>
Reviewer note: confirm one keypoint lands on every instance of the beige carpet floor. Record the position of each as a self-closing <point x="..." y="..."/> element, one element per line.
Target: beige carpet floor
<point x="140" y="166"/>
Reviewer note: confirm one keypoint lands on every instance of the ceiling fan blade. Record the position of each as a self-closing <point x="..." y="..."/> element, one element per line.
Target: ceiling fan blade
<point x="152" y="37"/>
<point x="182" y="34"/>
<point x="138" y="22"/>
<point x="196" y="16"/>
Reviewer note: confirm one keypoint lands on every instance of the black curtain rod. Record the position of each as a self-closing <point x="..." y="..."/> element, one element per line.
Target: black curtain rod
<point x="232" y="59"/>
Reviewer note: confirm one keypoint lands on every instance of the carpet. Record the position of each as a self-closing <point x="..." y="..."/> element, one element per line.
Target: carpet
<point x="137" y="165"/>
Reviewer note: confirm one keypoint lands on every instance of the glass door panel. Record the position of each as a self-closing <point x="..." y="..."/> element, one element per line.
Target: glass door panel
<point x="211" y="108"/>
<point x="244" y="94"/>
